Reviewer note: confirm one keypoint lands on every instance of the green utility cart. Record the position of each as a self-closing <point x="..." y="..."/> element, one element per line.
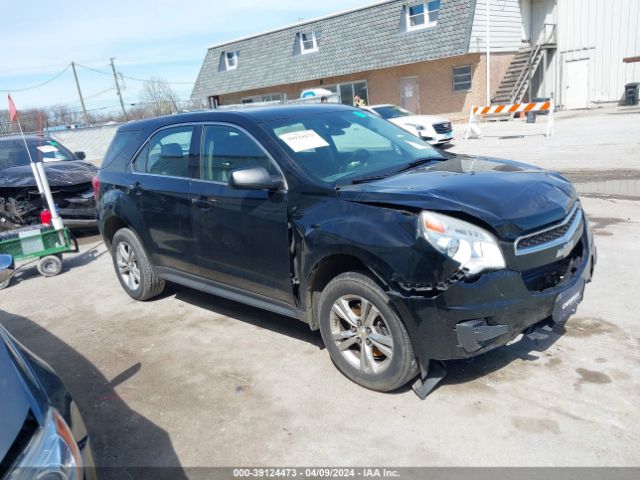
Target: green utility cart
<point x="38" y="242"/>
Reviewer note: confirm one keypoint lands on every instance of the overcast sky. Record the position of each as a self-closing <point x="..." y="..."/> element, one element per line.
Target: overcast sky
<point x="164" y="38"/>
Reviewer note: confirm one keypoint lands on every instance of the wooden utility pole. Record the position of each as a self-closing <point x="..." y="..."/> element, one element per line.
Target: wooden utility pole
<point x="84" y="109"/>
<point x="115" y="77"/>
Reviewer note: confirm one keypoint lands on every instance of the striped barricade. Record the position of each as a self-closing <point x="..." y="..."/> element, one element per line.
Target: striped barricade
<point x="474" y="129"/>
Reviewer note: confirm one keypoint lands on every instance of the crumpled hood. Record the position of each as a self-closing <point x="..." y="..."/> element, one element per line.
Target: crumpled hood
<point x="14" y="402"/>
<point x="59" y="174"/>
<point x="510" y="197"/>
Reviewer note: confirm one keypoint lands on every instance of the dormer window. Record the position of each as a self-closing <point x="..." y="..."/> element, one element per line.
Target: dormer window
<point x="308" y="42"/>
<point x="423" y="15"/>
<point x="231" y="60"/>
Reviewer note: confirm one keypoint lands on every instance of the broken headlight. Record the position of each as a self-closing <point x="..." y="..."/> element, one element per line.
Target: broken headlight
<point x="474" y="248"/>
<point x="51" y="454"/>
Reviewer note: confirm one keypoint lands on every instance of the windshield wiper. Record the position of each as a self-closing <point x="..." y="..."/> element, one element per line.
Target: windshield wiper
<point x="416" y="163"/>
<point x="408" y="166"/>
<point x="369" y="179"/>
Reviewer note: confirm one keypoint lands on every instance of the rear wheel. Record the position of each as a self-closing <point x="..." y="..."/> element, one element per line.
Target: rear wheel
<point x="133" y="267"/>
<point x="365" y="338"/>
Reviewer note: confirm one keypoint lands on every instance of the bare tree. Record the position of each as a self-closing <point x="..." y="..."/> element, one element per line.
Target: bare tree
<point x="159" y="97"/>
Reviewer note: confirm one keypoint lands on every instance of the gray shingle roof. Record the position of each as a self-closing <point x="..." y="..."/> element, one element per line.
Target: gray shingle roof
<point x="369" y="38"/>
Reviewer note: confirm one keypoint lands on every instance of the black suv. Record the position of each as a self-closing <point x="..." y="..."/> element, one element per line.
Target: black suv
<point x="400" y="254"/>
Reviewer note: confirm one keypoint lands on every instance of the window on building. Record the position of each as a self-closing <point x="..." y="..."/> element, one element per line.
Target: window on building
<point x="423" y="15"/>
<point x="348" y="91"/>
<point x="231" y="60"/>
<point x="462" y="78"/>
<point x="308" y="42"/>
<point x="274" y="97"/>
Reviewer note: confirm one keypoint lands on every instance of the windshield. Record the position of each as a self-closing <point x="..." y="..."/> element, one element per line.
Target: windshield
<point x="341" y="147"/>
<point x="391" y="111"/>
<point x="13" y="153"/>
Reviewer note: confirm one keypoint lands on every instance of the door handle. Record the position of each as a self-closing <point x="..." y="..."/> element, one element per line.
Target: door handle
<point x="203" y="203"/>
<point x="136" y="188"/>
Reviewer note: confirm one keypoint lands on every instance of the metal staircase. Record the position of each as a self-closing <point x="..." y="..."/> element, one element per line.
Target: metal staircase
<point x="516" y="82"/>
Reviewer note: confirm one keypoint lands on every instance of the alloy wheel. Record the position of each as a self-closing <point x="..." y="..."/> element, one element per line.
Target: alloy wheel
<point x="128" y="267"/>
<point x="361" y="334"/>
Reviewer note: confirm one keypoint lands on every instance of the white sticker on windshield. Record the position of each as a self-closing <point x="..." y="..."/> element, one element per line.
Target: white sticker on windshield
<point x="304" y="140"/>
<point x="417" y="145"/>
<point x="47" y="148"/>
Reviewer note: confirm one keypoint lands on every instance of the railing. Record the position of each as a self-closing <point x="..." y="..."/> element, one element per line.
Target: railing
<point x="547" y="36"/>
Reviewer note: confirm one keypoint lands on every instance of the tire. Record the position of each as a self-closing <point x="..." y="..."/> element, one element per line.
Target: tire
<point x="133" y="267"/>
<point x="389" y="361"/>
<point x="5" y="284"/>
<point x="50" y="266"/>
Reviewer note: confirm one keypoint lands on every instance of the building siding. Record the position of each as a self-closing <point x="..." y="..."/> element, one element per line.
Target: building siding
<point x="505" y="26"/>
<point x="366" y="39"/>
<point x="604" y="32"/>
<point x="435" y="81"/>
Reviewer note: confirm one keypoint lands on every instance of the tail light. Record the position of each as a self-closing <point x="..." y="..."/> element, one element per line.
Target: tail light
<point x="95" y="183"/>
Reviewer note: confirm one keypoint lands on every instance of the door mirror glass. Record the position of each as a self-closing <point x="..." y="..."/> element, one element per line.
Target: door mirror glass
<point x="6" y="267"/>
<point x="80" y="155"/>
<point x="256" y="178"/>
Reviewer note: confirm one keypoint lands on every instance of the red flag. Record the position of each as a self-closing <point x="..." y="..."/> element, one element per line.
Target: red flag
<point x="13" y="112"/>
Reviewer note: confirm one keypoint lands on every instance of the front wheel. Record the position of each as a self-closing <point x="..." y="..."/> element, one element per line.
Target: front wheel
<point x="365" y="338"/>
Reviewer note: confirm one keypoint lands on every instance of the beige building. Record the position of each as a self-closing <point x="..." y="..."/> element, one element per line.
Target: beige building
<point x="428" y="56"/>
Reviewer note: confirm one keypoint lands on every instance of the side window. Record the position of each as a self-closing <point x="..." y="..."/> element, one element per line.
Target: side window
<point x="168" y="153"/>
<point x="225" y="149"/>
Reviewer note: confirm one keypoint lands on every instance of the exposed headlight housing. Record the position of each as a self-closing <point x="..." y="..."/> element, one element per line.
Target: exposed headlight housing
<point x="52" y="453"/>
<point x="475" y="249"/>
<point x="417" y="127"/>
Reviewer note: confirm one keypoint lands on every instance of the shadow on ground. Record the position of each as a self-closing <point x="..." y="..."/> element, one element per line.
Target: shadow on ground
<point x="125" y="443"/>
<point x="527" y="348"/>
<point x="238" y="311"/>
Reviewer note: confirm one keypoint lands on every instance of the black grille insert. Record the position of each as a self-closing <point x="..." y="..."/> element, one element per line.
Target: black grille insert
<point x="550" y="276"/>
<point x="442" y="127"/>
<point x="549" y="235"/>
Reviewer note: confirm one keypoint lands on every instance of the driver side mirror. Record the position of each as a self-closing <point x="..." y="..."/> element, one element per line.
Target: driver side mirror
<point x="6" y="269"/>
<point x="80" y="155"/>
<point x="256" y="178"/>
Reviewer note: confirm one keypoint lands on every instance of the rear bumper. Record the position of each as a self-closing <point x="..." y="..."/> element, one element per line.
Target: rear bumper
<point x="80" y="223"/>
<point x="471" y="318"/>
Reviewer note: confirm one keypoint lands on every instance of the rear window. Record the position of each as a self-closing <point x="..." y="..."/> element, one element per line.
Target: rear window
<point x="118" y="144"/>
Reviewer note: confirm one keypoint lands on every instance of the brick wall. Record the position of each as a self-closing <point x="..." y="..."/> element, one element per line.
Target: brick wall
<point x="435" y="79"/>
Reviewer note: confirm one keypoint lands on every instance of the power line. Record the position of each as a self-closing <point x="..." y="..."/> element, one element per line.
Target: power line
<point x="129" y="78"/>
<point x="33" y="87"/>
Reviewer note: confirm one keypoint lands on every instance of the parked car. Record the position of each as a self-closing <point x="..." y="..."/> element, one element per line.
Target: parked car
<point x="435" y="130"/>
<point x="69" y="176"/>
<point x="400" y="255"/>
<point x="42" y="434"/>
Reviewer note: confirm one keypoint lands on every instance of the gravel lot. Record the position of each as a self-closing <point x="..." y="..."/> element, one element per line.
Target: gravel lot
<point x="194" y="380"/>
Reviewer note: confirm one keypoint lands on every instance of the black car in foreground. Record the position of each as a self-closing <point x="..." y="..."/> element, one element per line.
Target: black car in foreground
<point x="400" y="254"/>
<point x="42" y="434"/>
<point x="69" y="177"/>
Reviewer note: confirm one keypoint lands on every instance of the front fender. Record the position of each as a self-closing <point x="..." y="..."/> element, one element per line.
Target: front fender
<point x="385" y="239"/>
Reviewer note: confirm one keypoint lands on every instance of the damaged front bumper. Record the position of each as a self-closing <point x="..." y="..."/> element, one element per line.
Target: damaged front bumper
<point x="20" y="207"/>
<point x="474" y="316"/>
